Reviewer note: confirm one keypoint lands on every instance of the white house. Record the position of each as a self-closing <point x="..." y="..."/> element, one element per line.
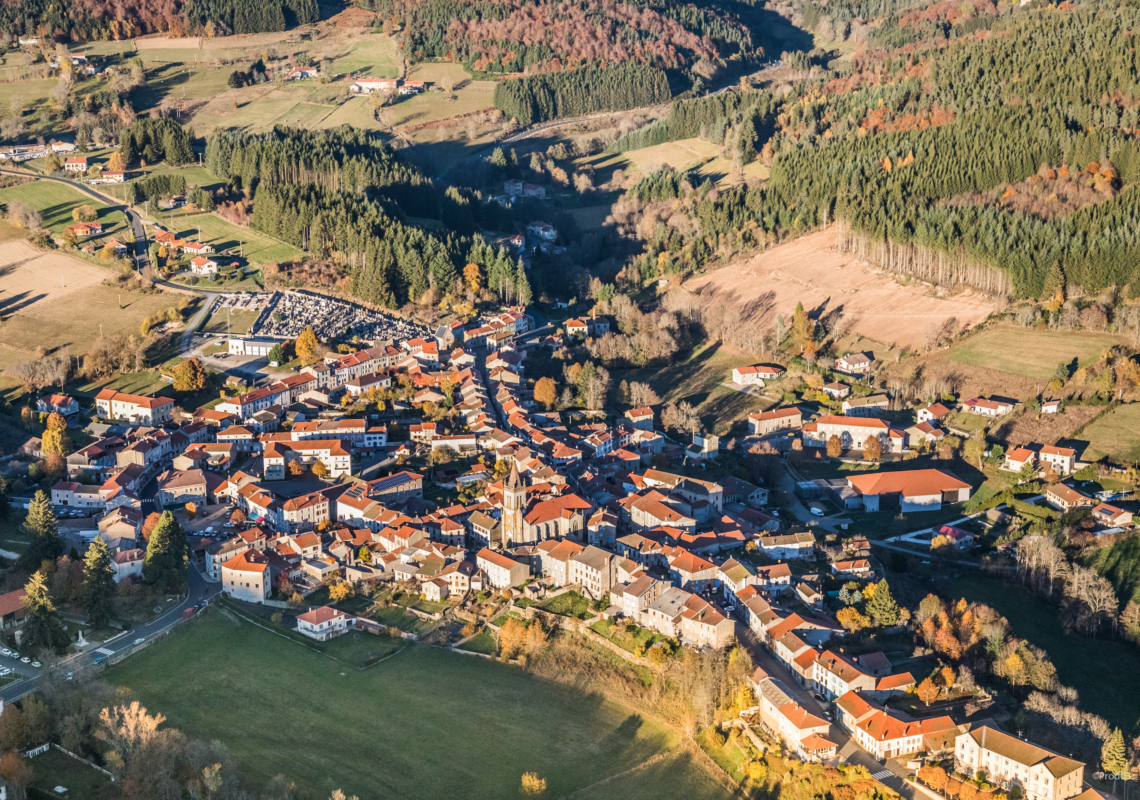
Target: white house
<point x="1008" y="761"/>
<point x="323" y="623"/>
<point x="200" y="265"/>
<point x="755" y="375"/>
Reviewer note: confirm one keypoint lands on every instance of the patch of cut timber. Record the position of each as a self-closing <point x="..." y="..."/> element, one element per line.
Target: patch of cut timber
<point x="837" y="286"/>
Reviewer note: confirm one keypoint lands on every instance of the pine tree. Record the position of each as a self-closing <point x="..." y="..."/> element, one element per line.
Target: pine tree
<point x="499" y="158"/>
<point x="1113" y="758"/>
<point x="523" y="292"/>
<point x="42" y="626"/>
<point x="43" y="528"/>
<point x="882" y="606"/>
<point x="98" y="583"/>
<point x="167" y="555"/>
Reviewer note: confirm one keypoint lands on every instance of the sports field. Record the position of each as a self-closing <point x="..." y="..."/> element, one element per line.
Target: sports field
<point x="425" y="723"/>
<point x="1116" y="435"/>
<point x="1029" y="352"/>
<point x="56" y="201"/>
<point x="55" y="300"/>
<point x="255" y="247"/>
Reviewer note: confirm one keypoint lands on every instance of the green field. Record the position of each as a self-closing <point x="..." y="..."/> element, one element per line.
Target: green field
<point x="1029" y="352"/>
<point x="1103" y="671"/>
<point x="234" y="322"/>
<point x="375" y="57"/>
<point x="430" y="713"/>
<point x="53" y="768"/>
<point x="256" y="248"/>
<point x="1116" y="435"/>
<point x="76" y="323"/>
<point x="56" y="201"/>
<point x="684" y="154"/>
<point x="1121" y="565"/>
<point x="696" y="377"/>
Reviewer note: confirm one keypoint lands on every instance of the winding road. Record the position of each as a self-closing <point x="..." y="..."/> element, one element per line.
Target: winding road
<point x="142" y="252"/>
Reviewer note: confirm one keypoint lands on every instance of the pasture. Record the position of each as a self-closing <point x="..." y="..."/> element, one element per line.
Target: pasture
<point x="255" y="247"/>
<point x="374" y="57"/>
<point x="56" y="201"/>
<point x="431" y="713"/>
<point x="696" y="377"/>
<point x="684" y="154"/>
<point x="1116" y="435"/>
<point x="1030" y="352"/>
<point x="56" y="301"/>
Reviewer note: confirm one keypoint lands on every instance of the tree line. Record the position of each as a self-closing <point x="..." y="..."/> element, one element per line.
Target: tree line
<point x="252" y="16"/>
<point x="567" y="94"/>
<point x="343" y="159"/>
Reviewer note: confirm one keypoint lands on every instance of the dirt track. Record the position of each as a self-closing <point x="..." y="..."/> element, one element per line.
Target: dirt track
<point x="834" y="285"/>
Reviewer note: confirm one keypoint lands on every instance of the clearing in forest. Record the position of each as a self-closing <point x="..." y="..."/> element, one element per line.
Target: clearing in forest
<point x="836" y="286"/>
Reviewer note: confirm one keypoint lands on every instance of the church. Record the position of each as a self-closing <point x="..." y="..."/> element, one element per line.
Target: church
<point x="541" y="517"/>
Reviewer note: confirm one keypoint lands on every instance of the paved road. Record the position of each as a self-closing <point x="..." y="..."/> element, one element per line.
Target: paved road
<point x="199" y="589"/>
<point x="891" y="773"/>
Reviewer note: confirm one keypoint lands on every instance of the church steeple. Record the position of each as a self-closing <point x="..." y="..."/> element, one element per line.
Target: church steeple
<point x="514" y="505"/>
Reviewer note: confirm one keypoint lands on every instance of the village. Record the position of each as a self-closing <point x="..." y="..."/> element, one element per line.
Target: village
<point x="461" y="491"/>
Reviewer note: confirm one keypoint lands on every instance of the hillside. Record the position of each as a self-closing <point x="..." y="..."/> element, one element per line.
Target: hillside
<point x="1121" y="565"/>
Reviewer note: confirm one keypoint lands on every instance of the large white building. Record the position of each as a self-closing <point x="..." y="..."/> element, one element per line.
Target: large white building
<point x="1009" y="761"/>
<point x="110" y="404"/>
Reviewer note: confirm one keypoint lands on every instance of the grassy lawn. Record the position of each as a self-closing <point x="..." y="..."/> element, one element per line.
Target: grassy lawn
<point x="374" y="57"/>
<point x="678" y="771"/>
<point x="396" y="617"/>
<point x="696" y="377"/>
<point x="484" y="642"/>
<point x="633" y="638"/>
<point x="1121" y="565"/>
<point x="884" y="524"/>
<point x="430" y="712"/>
<point x="56" y="201"/>
<point x="1116" y="434"/>
<point x="731" y="756"/>
<point x="970" y="423"/>
<point x="254" y="247"/>
<point x="223" y="321"/>
<point x="53" y="768"/>
<point x="568" y="604"/>
<point x="361" y="649"/>
<point x="1030" y="352"/>
<point x="1102" y="670"/>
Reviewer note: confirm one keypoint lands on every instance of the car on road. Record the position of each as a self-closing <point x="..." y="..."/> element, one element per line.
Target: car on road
<point x="819" y="697"/>
<point x="817" y="512"/>
<point x="71" y="676"/>
<point x="229" y="525"/>
<point x="25" y="660"/>
<point x="140" y="640"/>
<point x="36" y="664"/>
<point x="99" y="660"/>
<point x="5" y="671"/>
<point x="827" y="715"/>
<point x="6" y="652"/>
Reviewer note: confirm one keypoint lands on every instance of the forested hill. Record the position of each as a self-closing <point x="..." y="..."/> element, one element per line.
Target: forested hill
<point x="510" y="36"/>
<point x="342" y="196"/>
<point x="85" y="20"/>
<point x="344" y="159"/>
<point x="906" y="145"/>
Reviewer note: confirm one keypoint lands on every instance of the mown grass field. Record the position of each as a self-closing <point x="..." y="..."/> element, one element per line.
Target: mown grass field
<point x="56" y="201"/>
<point x="1116" y="435"/>
<point x="1030" y="352"/>
<point x="256" y="248"/>
<point x="447" y="725"/>
<point x="235" y="322"/>
<point x="375" y="57"/>
<point x="696" y="377"/>
<point x="1103" y="671"/>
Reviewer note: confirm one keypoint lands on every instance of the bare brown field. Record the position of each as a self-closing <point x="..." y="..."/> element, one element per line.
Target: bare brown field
<point x="834" y="285"/>
<point x="1045" y="428"/>
<point x="55" y="301"/>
